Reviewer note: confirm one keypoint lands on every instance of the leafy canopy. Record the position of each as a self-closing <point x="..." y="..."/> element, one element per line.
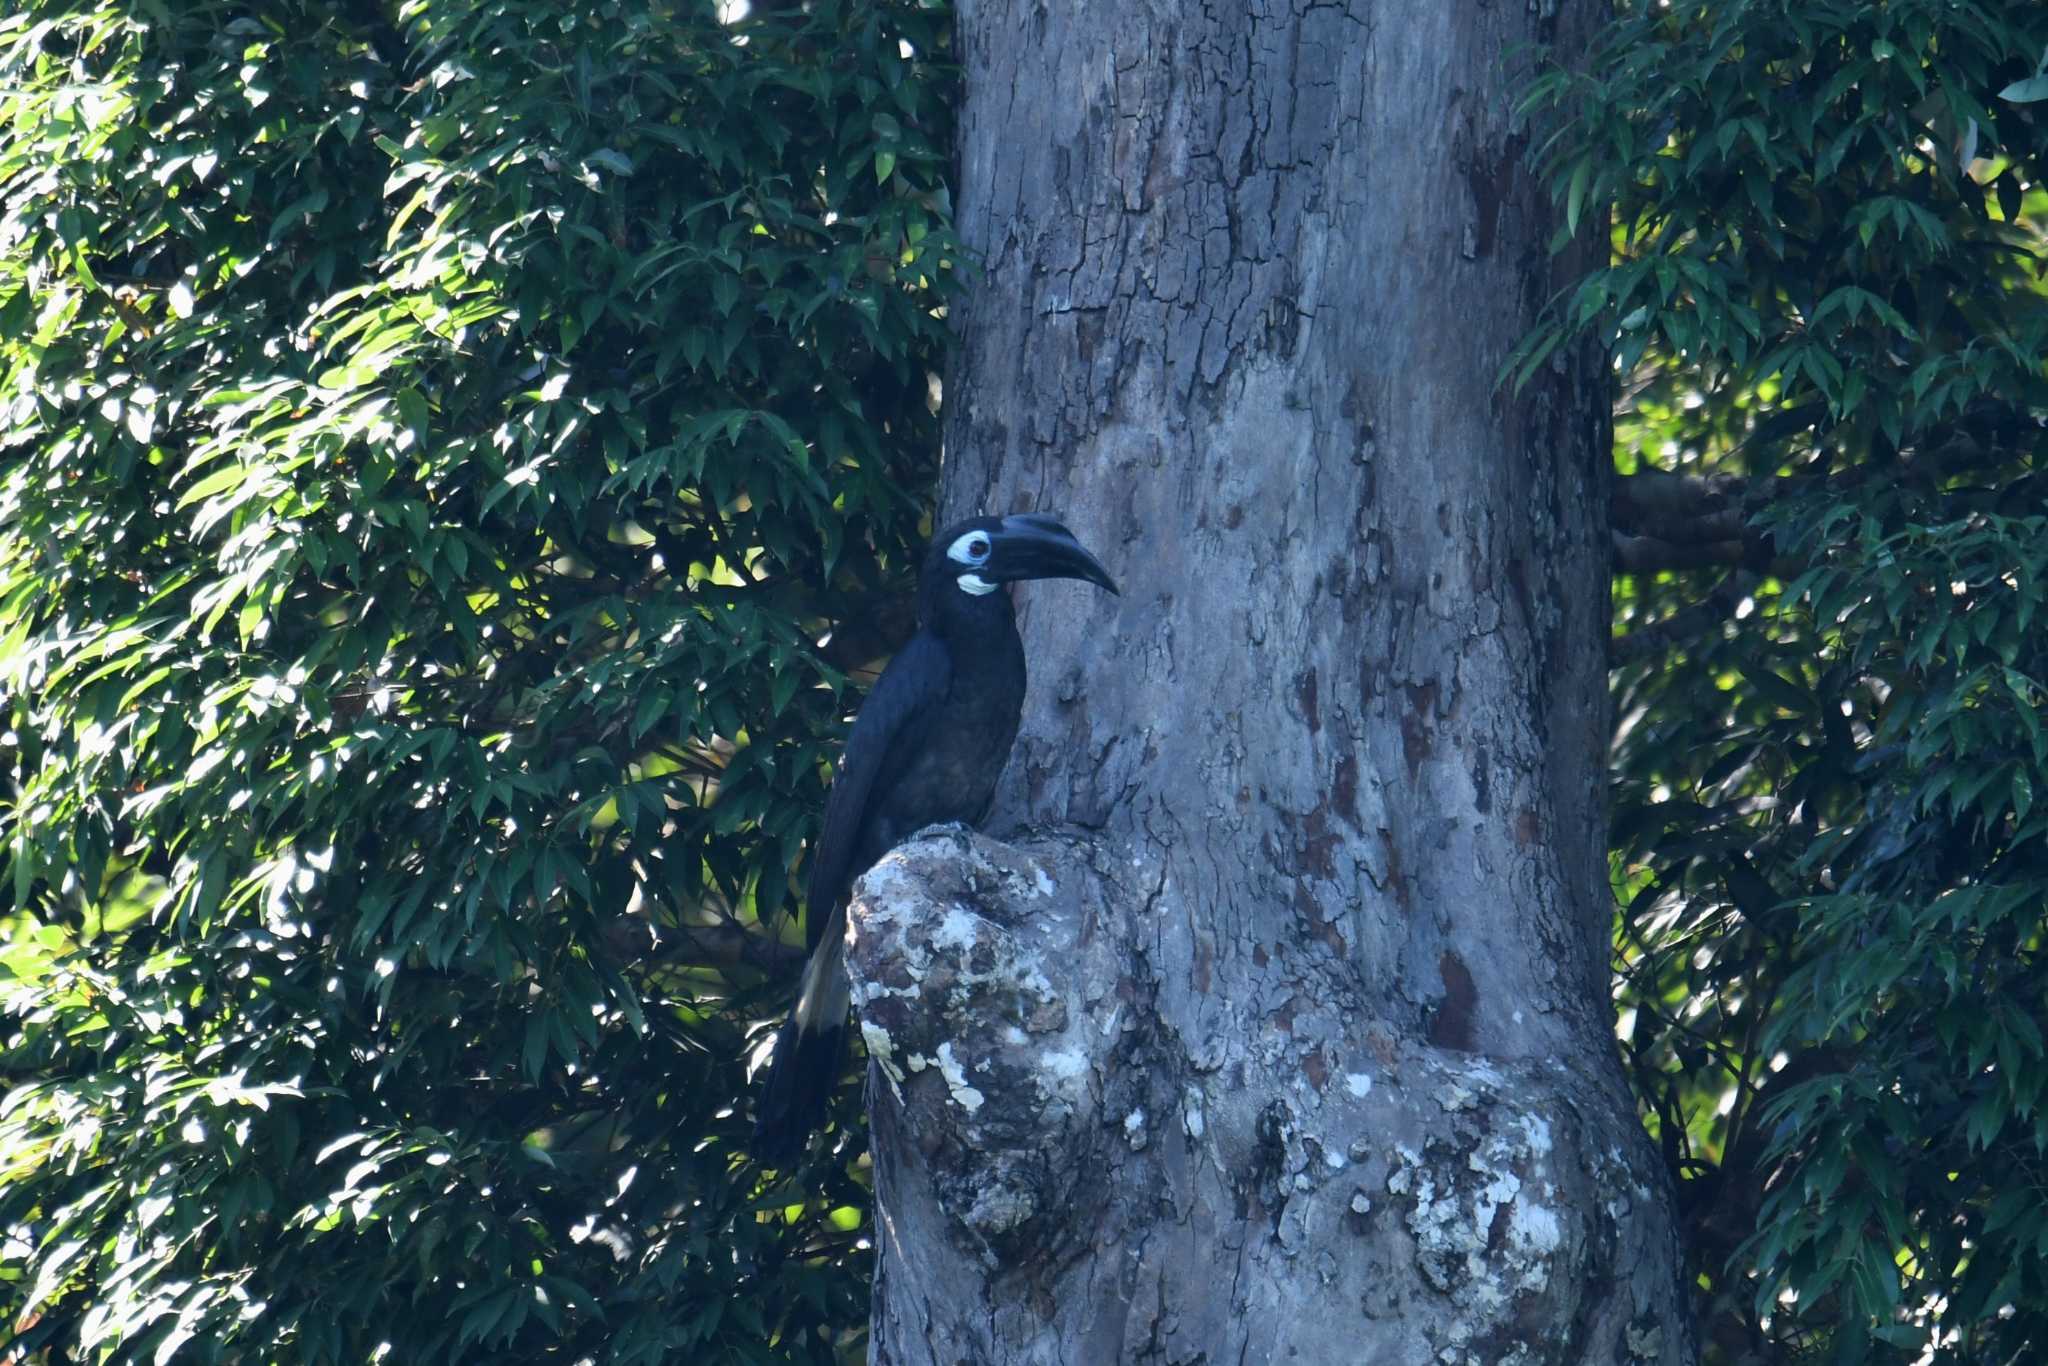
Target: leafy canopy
<point x="1827" y="309"/>
<point x="435" y="436"/>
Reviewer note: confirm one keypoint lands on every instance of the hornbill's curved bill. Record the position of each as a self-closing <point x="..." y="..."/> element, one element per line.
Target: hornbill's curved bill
<point x="927" y="747"/>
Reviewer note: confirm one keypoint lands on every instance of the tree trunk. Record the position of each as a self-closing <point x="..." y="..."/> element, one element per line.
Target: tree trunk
<point x="1284" y="1034"/>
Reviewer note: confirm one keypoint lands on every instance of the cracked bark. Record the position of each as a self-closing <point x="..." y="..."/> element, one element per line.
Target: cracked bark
<point x="1278" y="1027"/>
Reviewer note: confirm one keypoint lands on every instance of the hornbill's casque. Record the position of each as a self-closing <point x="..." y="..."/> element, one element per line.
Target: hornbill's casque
<point x="927" y="747"/>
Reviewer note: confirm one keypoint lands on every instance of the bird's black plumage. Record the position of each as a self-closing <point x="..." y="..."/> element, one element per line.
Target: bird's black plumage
<point x="927" y="748"/>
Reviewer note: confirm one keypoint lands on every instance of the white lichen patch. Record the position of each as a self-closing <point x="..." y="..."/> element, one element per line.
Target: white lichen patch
<point x="889" y="883"/>
<point x="1617" y="1203"/>
<point x="965" y="1096"/>
<point x="1041" y="882"/>
<point x="960" y="938"/>
<point x="1064" y="1066"/>
<point x="1484" y="1233"/>
<point x="1456" y="1096"/>
<point x="958" y="930"/>
<point x="999" y="1208"/>
<point x="882" y="1051"/>
<point x="1033" y="982"/>
<point x="1484" y="1077"/>
<point x="945" y="955"/>
<point x="1534" y="1228"/>
<point x="1358" y="1084"/>
<point x="883" y="886"/>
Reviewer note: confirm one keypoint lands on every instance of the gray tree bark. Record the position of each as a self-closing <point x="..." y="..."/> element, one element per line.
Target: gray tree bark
<point x="1282" y="1032"/>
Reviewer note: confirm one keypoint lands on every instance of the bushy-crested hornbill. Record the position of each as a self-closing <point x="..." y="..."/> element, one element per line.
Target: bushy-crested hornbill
<point x="927" y="747"/>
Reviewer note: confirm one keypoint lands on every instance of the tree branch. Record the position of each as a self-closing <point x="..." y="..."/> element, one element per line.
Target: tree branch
<point x="1689" y="509"/>
<point x="728" y="944"/>
<point x="1684" y="625"/>
<point x="1654" y="495"/>
<point x="1648" y="554"/>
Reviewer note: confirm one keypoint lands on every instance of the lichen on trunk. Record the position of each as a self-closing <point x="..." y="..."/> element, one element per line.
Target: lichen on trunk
<point x="1283" y="1030"/>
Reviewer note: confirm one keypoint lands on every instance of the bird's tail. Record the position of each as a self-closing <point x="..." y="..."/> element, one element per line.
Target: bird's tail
<point x="809" y="1052"/>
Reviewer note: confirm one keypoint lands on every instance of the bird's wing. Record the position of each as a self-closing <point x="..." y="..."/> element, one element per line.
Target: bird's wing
<point x="889" y="721"/>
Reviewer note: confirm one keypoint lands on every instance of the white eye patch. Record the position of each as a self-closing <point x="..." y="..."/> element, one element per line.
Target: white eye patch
<point x="975" y="584"/>
<point x="969" y="548"/>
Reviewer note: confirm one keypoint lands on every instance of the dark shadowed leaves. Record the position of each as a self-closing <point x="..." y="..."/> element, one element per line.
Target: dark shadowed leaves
<point x="1828" y="225"/>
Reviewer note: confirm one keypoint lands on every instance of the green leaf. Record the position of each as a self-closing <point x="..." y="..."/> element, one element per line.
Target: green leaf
<point x="1778" y="690"/>
<point x="1575" y="196"/>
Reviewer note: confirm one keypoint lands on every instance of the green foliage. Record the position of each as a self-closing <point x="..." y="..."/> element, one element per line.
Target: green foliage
<point x="434" y="435"/>
<point x="1826" y="294"/>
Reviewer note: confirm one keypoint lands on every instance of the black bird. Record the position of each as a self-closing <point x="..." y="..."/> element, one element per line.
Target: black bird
<point x="927" y="747"/>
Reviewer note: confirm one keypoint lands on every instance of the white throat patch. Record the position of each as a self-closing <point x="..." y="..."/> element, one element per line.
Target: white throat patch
<point x="975" y="584"/>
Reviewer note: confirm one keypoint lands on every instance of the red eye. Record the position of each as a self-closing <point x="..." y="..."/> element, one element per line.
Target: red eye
<point x="977" y="548"/>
